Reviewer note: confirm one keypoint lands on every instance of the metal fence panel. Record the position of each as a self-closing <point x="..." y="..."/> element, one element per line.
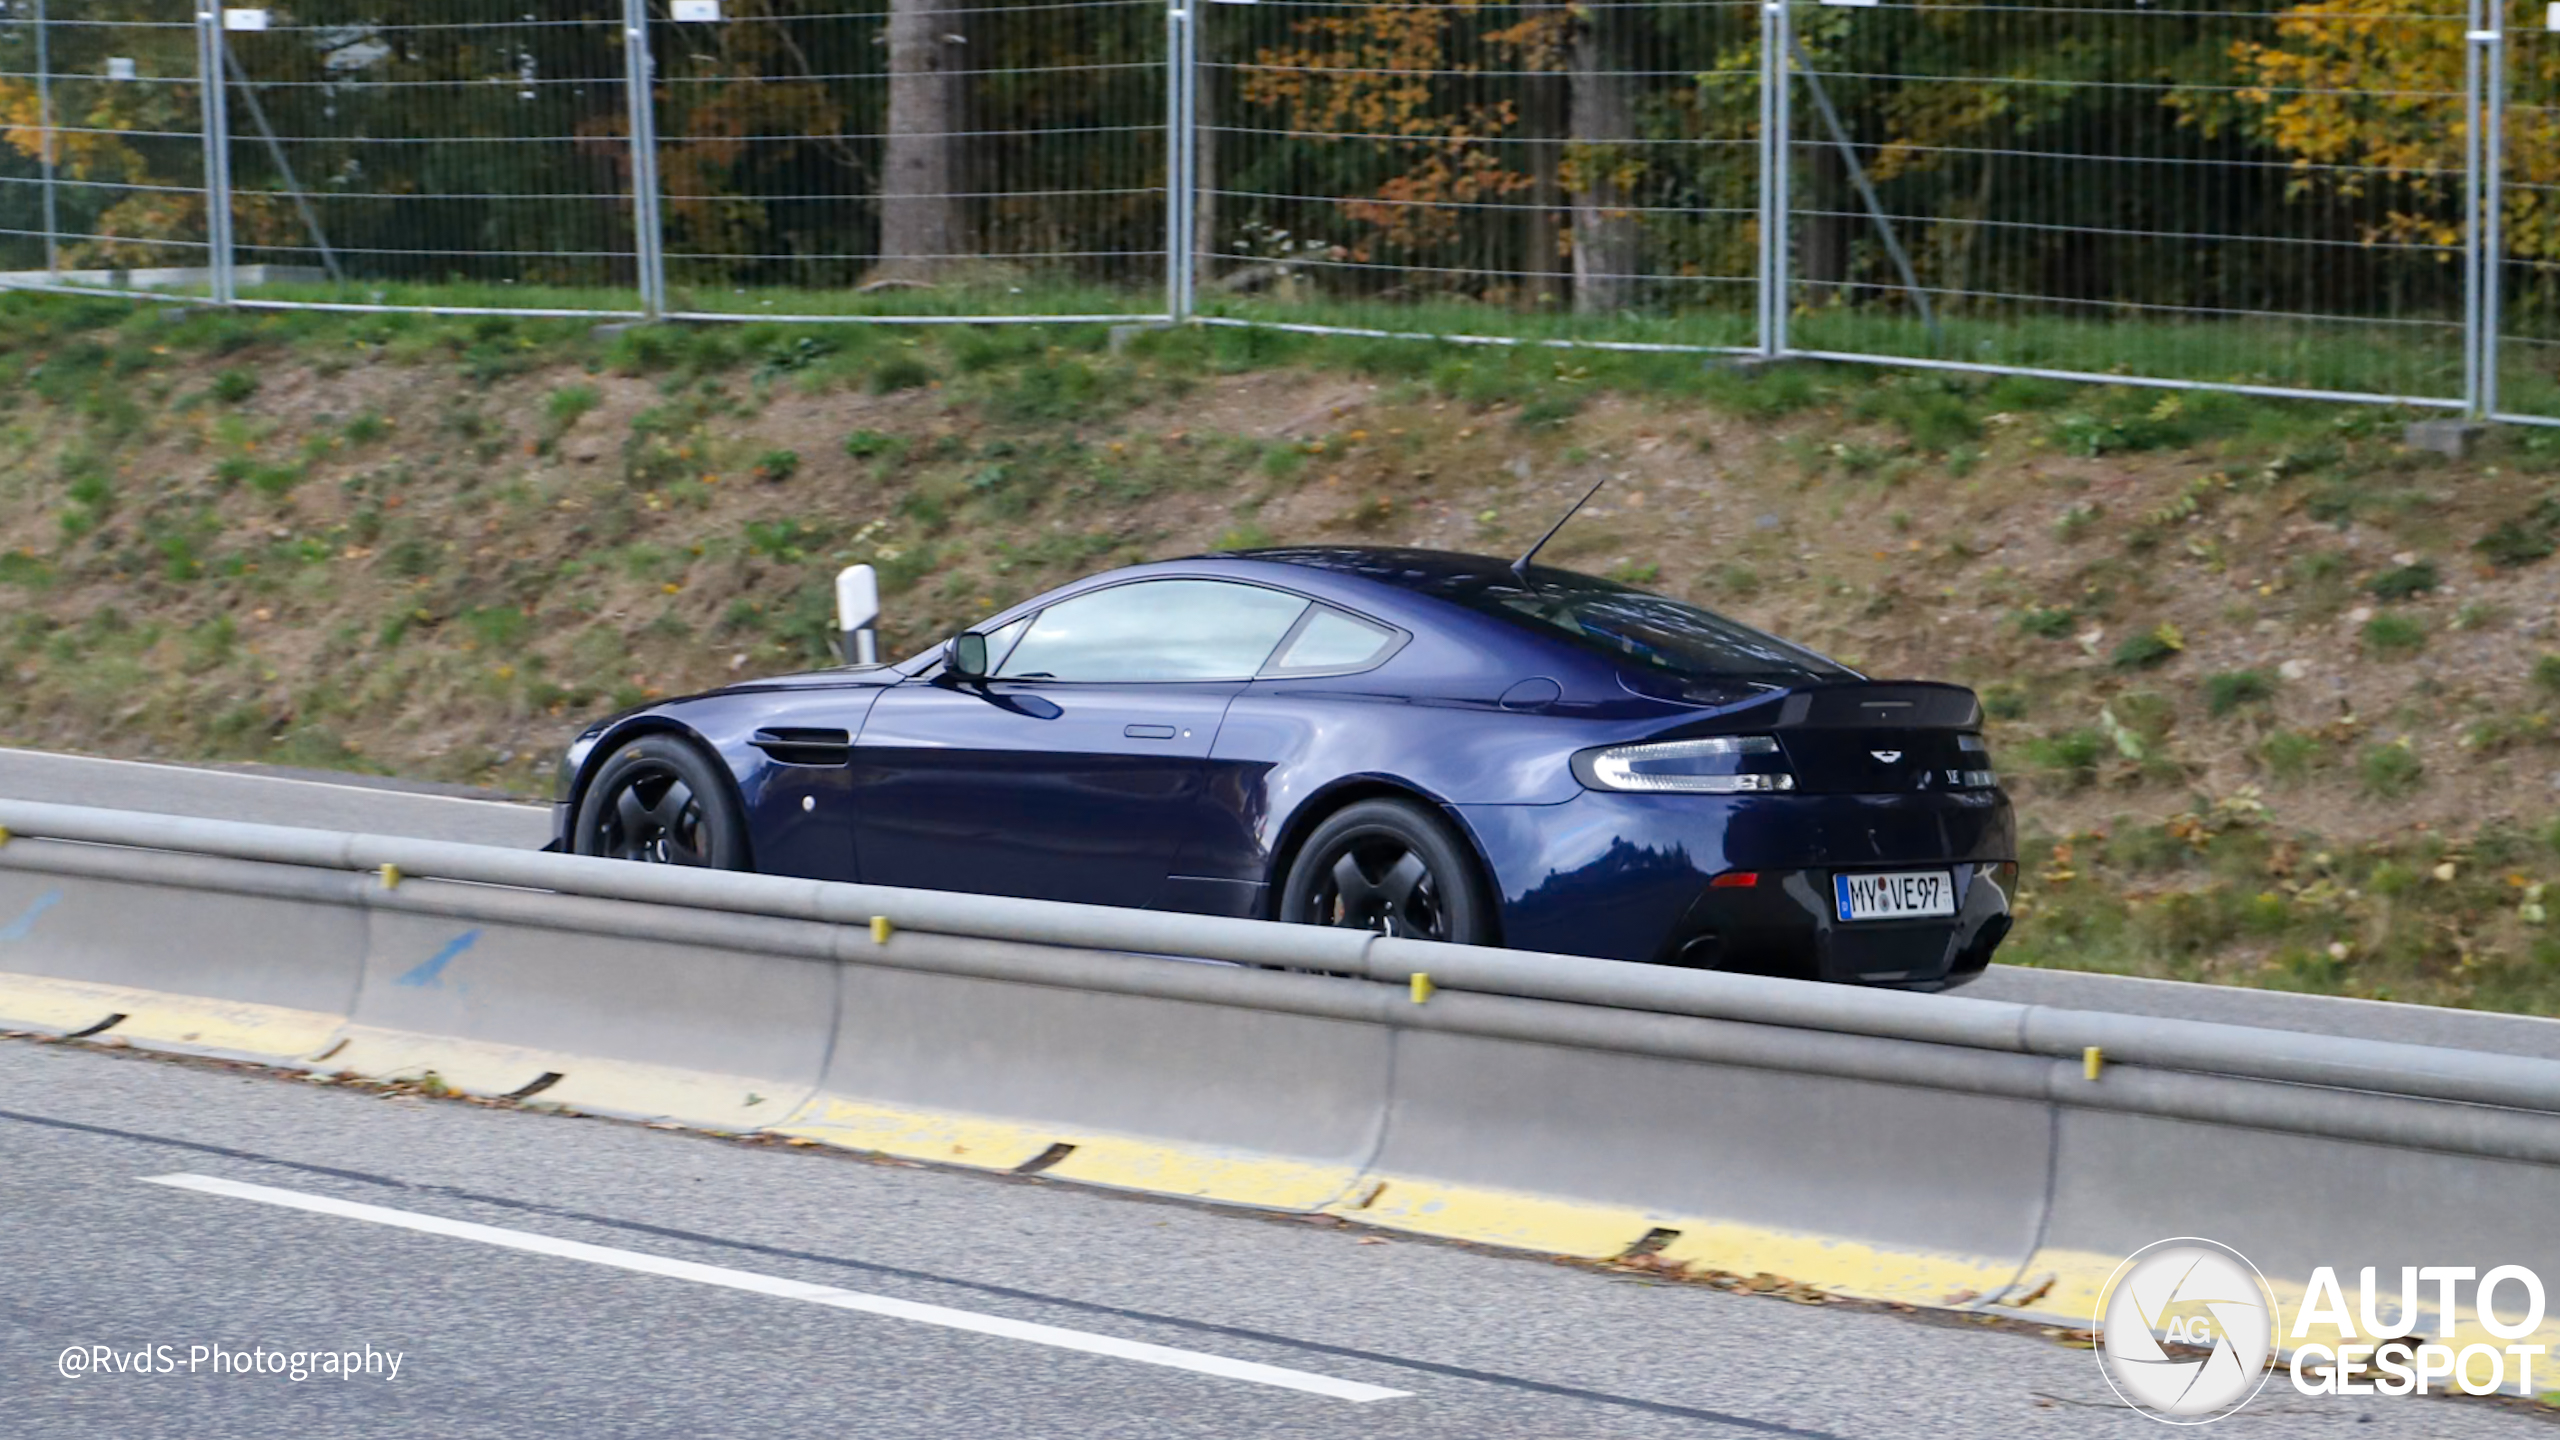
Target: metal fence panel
<point x="2335" y="197"/>
<point x="916" y="159"/>
<point x="2218" y="192"/>
<point x="1546" y="171"/>
<point x="460" y="155"/>
<point x="102" y="180"/>
<point x="2524" y="207"/>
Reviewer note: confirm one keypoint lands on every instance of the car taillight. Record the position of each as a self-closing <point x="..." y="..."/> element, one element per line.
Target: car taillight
<point x="1977" y="773"/>
<point x="1714" y="765"/>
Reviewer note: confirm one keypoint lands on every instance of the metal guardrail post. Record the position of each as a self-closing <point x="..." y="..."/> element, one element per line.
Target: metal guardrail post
<point x="1182" y="156"/>
<point x="1776" y="38"/>
<point x="211" y="82"/>
<point x="648" y="235"/>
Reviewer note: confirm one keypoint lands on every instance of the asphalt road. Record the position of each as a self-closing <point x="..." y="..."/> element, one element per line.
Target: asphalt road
<point x="540" y="1274"/>
<point x="393" y="807"/>
<point x="322" y="802"/>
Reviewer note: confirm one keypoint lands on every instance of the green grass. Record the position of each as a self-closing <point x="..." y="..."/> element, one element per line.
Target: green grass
<point x="2231" y="690"/>
<point x="2404" y="582"/>
<point x="2395" y="636"/>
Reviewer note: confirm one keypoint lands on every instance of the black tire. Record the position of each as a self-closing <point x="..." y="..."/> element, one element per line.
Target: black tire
<point x="661" y="801"/>
<point x="1389" y="866"/>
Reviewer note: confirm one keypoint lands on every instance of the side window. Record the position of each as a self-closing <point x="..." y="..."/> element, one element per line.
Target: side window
<point x="1333" y="641"/>
<point x="1155" y="630"/>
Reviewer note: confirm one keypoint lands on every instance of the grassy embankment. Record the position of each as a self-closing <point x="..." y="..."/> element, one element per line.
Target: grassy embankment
<point x="2275" y="694"/>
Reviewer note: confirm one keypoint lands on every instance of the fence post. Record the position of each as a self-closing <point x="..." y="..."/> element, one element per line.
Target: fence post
<point x="1182" y="156"/>
<point x="44" y="122"/>
<point x="210" y="82"/>
<point x="648" y="238"/>
<point x="2474" y="56"/>
<point x="2490" y="219"/>
<point x="1774" y="162"/>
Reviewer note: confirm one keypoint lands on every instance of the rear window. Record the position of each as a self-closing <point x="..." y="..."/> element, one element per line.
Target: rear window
<point x="1652" y="632"/>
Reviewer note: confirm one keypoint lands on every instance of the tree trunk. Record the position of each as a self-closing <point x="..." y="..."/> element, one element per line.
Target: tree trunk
<point x="1543" y="120"/>
<point x="1822" y="227"/>
<point x="1204" y="154"/>
<point x="922" y="220"/>
<point x="1607" y="242"/>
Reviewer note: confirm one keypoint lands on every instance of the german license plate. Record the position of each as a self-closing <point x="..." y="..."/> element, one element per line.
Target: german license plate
<point x="1904" y="895"/>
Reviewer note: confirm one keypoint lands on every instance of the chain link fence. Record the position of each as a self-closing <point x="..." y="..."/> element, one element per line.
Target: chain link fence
<point x="2346" y="198"/>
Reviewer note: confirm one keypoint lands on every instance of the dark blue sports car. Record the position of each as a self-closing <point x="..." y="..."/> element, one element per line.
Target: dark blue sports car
<point x="1443" y="746"/>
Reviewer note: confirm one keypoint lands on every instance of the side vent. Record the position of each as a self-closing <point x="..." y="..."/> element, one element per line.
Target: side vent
<point x="790" y="746"/>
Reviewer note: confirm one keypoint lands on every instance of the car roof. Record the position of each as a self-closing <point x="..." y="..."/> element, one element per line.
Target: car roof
<point x="1397" y="567"/>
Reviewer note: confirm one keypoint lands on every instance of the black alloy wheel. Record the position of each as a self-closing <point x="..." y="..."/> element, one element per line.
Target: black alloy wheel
<point x="660" y="801"/>
<point x="1389" y="867"/>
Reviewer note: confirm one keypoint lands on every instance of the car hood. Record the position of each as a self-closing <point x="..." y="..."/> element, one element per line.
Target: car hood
<point x="845" y="677"/>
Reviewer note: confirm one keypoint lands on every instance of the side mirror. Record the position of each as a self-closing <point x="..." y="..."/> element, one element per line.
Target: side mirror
<point x="966" y="656"/>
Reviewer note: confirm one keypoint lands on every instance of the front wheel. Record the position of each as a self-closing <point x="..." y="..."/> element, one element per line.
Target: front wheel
<point x="661" y="801"/>
<point x="1391" y="867"/>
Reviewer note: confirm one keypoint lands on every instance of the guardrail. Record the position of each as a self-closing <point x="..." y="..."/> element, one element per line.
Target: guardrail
<point x="1924" y="1148"/>
<point x="2204" y="1047"/>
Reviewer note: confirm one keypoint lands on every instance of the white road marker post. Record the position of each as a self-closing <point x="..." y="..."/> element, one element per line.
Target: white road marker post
<point x="858" y="613"/>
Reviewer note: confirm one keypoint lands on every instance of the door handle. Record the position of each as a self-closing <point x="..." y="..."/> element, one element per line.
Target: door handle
<point x="1147" y="732"/>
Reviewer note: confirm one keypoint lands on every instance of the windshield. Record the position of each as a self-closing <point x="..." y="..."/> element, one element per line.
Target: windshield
<point x="1654" y="632"/>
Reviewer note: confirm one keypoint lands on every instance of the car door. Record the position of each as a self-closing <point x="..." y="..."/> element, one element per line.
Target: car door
<point x="1075" y="770"/>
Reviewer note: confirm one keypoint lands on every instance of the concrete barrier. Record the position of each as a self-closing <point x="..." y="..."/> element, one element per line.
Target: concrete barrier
<point x="1929" y="1150"/>
<point x="189" y="960"/>
<point x="1212" y="1097"/>
<point x="504" y="995"/>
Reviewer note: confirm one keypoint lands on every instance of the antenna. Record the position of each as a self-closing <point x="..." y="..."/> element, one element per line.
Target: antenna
<point x="1520" y="567"/>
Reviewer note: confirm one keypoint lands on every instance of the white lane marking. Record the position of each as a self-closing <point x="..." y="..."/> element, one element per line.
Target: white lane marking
<point x="780" y="1288"/>
<point x="43" y="757"/>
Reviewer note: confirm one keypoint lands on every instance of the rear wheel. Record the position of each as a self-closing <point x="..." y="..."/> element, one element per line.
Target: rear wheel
<point x="1391" y="867"/>
<point x="661" y="801"/>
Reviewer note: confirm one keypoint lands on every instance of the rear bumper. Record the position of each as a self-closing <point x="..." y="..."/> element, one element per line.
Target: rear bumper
<point x="1629" y="877"/>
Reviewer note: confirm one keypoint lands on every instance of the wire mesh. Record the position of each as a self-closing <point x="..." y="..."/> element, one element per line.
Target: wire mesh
<point x="1544" y="171"/>
<point x="101" y="145"/>
<point x="461" y="153"/>
<point x="2229" y="192"/>
<point x="2528" y="292"/>
<point x="2223" y="191"/>
<point x="916" y="158"/>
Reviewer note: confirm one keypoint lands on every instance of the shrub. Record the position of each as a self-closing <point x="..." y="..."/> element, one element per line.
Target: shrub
<point x="2071" y="757"/>
<point x="2231" y="689"/>
<point x="2546" y="674"/>
<point x="2046" y="622"/>
<point x="2151" y="647"/>
<point x="871" y="444"/>
<point x="2390" y="772"/>
<point x="569" y="403"/>
<point x="777" y="465"/>
<point x="2290" y="755"/>
<point x="2395" y="636"/>
<point x="234" y="386"/>
<point x="2404" y="582"/>
<point x="1546" y="412"/>
<point x="2526" y="538"/>
<point x="901" y="372"/>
